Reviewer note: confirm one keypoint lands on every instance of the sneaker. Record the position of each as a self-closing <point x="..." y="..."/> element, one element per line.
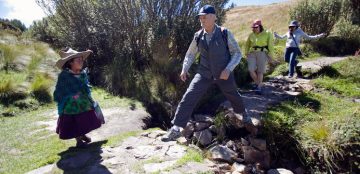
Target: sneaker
<point x="171" y="135"/>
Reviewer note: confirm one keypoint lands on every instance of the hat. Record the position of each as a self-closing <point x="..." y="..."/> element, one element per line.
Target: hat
<point x="70" y="54"/>
<point x="256" y="23"/>
<point x="294" y="24"/>
<point x="206" y="9"/>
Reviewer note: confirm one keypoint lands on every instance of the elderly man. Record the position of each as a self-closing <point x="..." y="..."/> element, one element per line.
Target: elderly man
<point x="219" y="55"/>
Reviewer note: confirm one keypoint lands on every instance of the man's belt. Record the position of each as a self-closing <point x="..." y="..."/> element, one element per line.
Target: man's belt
<point x="260" y="48"/>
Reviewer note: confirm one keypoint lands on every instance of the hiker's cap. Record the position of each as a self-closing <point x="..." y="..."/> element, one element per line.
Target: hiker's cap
<point x="70" y="54"/>
<point x="256" y="23"/>
<point x="294" y="24"/>
<point x="206" y="9"/>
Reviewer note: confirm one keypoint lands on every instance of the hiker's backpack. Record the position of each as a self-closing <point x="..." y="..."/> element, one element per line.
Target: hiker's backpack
<point x="224" y="35"/>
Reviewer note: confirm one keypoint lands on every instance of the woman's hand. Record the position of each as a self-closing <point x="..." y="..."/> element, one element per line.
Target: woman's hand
<point x="183" y="75"/>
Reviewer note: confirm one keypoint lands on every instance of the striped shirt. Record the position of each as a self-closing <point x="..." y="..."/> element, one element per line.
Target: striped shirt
<point x="234" y="50"/>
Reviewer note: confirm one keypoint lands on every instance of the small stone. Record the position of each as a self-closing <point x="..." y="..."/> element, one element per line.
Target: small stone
<point x="357" y="100"/>
<point x="204" y="137"/>
<point x="238" y="167"/>
<point x="279" y="171"/>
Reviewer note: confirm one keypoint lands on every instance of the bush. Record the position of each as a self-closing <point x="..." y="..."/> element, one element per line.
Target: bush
<point x="336" y="46"/>
<point x="40" y="88"/>
<point x="346" y="30"/>
<point x="317" y="16"/>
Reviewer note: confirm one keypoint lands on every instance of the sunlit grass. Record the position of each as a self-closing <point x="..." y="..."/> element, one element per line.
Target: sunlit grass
<point x="347" y="83"/>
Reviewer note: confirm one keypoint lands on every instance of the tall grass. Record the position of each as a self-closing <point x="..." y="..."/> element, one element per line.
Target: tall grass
<point x="40" y="88"/>
<point x="9" y="55"/>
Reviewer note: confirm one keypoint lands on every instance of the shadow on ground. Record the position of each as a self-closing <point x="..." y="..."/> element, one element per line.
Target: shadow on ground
<point x="75" y="160"/>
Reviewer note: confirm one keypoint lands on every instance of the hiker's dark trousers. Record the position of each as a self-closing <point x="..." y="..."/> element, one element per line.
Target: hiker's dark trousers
<point x="198" y="88"/>
<point x="290" y="57"/>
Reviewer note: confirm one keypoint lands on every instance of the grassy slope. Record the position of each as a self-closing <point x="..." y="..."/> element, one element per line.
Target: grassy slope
<point x="321" y="123"/>
<point x="275" y="17"/>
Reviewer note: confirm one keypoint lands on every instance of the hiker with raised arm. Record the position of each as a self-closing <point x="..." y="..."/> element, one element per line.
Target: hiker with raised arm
<point x="219" y="55"/>
<point x="77" y="116"/>
<point x="293" y="37"/>
<point x="259" y="50"/>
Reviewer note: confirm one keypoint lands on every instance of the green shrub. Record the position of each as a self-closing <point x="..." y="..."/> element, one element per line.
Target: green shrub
<point x="40" y="88"/>
<point x="307" y="13"/>
<point x="346" y="30"/>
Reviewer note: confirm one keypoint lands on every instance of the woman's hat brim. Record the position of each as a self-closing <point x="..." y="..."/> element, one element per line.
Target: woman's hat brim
<point x="61" y="62"/>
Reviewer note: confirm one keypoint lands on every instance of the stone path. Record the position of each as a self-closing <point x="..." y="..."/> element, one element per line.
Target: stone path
<point x="147" y="153"/>
<point x="143" y="154"/>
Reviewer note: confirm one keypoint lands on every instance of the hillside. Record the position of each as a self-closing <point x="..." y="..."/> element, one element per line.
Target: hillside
<point x="274" y="17"/>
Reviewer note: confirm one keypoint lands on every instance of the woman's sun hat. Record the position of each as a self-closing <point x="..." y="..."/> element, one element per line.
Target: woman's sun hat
<point x="256" y="23"/>
<point x="70" y="54"/>
<point x="294" y="24"/>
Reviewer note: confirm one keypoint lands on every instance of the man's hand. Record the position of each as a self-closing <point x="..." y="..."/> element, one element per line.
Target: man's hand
<point x="183" y="75"/>
<point x="225" y="74"/>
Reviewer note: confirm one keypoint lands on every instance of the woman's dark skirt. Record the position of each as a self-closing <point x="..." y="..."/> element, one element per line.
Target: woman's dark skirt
<point x="72" y="126"/>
